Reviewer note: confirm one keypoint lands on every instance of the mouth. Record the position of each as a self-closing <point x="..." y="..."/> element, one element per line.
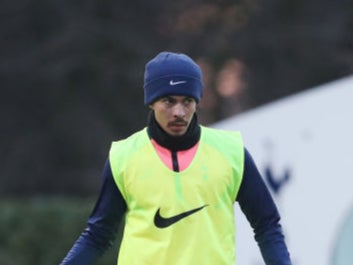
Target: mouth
<point x="178" y="125"/>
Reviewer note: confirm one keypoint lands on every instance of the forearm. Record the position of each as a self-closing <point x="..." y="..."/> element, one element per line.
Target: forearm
<point x="261" y="212"/>
<point x="272" y="246"/>
<point x="102" y="225"/>
<point x="83" y="252"/>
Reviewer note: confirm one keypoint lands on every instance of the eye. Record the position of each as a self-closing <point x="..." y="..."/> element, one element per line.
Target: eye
<point x="189" y="100"/>
<point x="167" y="100"/>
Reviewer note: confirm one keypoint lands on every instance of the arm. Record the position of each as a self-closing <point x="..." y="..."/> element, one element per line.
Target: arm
<point x="102" y="224"/>
<point x="260" y="210"/>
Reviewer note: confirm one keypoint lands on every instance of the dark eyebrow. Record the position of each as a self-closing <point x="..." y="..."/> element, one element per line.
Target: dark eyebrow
<point x="169" y="98"/>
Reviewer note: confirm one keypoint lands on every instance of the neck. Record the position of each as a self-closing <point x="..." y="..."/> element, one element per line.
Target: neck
<point x="174" y="143"/>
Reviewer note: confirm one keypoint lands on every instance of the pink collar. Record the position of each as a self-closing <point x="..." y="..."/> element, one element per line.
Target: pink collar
<point x="184" y="157"/>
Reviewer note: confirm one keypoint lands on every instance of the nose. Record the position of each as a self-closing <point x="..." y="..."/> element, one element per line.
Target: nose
<point x="178" y="110"/>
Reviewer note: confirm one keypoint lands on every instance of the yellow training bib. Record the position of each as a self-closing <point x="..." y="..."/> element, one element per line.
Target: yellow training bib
<point x="183" y="218"/>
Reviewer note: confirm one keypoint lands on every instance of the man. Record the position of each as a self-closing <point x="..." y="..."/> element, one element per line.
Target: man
<point x="175" y="182"/>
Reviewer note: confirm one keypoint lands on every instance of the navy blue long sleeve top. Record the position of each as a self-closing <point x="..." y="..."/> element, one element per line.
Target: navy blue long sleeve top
<point x="254" y="200"/>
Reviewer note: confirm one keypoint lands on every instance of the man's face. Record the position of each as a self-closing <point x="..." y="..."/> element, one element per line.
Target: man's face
<point x="174" y="113"/>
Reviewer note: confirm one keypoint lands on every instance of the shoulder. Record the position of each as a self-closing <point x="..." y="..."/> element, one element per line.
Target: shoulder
<point x="133" y="138"/>
<point x="221" y="135"/>
<point x="130" y="144"/>
<point x="228" y="143"/>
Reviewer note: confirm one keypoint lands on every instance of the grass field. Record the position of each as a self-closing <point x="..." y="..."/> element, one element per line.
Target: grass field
<point x="40" y="231"/>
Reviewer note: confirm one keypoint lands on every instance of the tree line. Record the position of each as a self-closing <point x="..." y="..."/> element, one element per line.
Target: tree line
<point x="71" y="73"/>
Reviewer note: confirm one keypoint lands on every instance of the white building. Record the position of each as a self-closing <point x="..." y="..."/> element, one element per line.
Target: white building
<point x="306" y="141"/>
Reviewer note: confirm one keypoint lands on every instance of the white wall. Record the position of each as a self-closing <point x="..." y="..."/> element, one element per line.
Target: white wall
<point x="311" y="134"/>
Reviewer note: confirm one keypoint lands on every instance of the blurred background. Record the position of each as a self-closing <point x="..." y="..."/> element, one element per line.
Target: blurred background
<point x="71" y="76"/>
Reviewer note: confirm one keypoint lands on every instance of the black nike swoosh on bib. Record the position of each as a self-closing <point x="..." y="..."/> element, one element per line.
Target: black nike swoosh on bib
<point x="163" y="222"/>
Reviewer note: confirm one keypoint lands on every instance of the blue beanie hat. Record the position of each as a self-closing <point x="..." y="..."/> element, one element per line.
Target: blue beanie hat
<point x="172" y="74"/>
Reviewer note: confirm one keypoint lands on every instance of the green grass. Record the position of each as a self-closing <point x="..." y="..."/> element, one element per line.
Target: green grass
<point x="40" y="231"/>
